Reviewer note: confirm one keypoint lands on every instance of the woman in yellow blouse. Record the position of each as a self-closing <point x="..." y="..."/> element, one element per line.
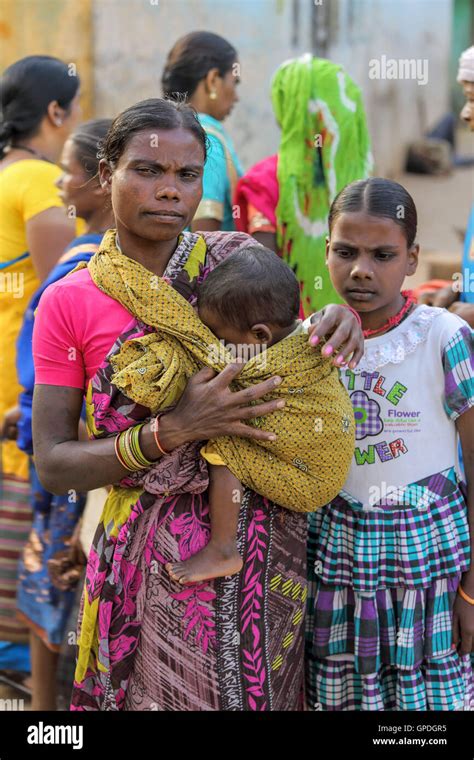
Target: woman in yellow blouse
<point x="39" y="108"/>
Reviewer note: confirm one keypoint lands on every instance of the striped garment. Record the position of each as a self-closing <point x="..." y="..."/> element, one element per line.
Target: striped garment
<point x="15" y="525"/>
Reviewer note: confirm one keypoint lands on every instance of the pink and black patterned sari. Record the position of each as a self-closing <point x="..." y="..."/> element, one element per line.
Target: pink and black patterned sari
<point x="147" y="643"/>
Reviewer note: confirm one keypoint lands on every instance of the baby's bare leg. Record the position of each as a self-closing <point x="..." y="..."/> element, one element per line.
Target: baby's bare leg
<point x="220" y="556"/>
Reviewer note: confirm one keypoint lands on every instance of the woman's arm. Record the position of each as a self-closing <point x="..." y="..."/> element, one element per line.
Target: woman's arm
<point x="463" y="615"/>
<point x="47" y="235"/>
<point x="207" y="409"/>
<point x="465" y="311"/>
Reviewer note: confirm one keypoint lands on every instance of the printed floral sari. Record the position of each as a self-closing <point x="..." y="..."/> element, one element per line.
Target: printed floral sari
<point x="147" y="643"/>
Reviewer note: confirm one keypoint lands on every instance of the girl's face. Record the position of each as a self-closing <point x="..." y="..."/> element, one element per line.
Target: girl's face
<point x="368" y="260"/>
<point x="157" y="184"/>
<point x="76" y="188"/>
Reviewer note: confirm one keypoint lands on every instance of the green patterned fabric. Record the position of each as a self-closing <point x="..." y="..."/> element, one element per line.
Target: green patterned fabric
<point x="317" y="105"/>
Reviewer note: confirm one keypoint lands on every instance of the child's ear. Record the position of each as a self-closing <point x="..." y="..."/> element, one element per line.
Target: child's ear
<point x="413" y="254"/>
<point x="262" y="333"/>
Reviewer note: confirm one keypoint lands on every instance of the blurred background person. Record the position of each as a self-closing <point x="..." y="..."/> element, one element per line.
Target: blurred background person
<point x="39" y="106"/>
<point x="204" y="68"/>
<point x="51" y="563"/>
<point x="460" y="300"/>
<point x="284" y="200"/>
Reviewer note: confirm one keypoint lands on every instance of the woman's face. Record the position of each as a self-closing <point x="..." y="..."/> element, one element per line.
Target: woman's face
<point x="226" y="92"/>
<point x="467" y="113"/>
<point x="157" y="184"/>
<point x="73" y="116"/>
<point x="76" y="188"/>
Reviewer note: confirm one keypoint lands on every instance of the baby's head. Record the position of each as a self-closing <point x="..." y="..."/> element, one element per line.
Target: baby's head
<point x="252" y="297"/>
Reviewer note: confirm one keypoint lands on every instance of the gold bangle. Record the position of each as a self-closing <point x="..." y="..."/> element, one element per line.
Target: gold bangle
<point x="465" y="596"/>
<point x="118" y="453"/>
<point x="135" y="444"/>
<point x="128" y="451"/>
<point x="124" y="448"/>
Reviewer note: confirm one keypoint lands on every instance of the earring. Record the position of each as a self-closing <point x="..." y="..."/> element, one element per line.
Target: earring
<point x="213" y="95"/>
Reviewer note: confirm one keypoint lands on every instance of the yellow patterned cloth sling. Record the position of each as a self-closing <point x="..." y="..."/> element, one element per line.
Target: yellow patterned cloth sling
<point x="308" y="463"/>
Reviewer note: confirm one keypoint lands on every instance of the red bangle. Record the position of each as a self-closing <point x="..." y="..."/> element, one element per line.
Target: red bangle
<point x="465" y="596"/>
<point x="156" y="427"/>
<point x="355" y="313"/>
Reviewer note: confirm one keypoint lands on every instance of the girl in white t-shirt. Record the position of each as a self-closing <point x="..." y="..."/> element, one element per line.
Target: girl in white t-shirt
<point x="391" y="617"/>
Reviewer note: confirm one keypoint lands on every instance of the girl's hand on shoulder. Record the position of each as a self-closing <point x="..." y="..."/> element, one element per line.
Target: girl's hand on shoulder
<point x="341" y="329"/>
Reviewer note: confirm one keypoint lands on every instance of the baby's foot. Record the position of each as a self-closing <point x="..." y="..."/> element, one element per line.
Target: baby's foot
<point x="211" y="562"/>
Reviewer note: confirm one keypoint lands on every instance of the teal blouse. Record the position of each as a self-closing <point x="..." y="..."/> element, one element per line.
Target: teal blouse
<point x="221" y="172"/>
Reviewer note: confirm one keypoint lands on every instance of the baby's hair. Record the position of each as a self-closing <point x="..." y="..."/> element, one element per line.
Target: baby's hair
<point x="251" y="286"/>
<point x="378" y="197"/>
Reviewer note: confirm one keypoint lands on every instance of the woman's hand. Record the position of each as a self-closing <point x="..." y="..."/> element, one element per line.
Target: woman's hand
<point x="443" y="297"/>
<point x="464" y="310"/>
<point x="208" y="409"/>
<point x="342" y="332"/>
<point x="9" y="424"/>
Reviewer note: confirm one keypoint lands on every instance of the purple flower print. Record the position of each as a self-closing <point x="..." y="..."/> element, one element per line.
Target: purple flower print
<point x="106" y="417"/>
<point x="367" y="415"/>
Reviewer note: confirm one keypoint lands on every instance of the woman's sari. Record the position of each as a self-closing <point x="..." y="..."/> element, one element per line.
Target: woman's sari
<point x="147" y="643"/>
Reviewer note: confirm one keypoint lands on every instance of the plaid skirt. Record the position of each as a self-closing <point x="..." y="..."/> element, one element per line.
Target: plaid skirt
<point x="382" y="584"/>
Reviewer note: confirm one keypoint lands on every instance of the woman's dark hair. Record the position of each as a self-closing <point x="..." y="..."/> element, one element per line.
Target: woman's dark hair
<point x="154" y="113"/>
<point x="88" y="140"/>
<point x="190" y="60"/>
<point x="251" y="285"/>
<point x="27" y="87"/>
<point x="379" y="197"/>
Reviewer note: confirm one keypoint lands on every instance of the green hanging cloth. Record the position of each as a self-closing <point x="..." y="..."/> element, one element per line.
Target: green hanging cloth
<point x="324" y="146"/>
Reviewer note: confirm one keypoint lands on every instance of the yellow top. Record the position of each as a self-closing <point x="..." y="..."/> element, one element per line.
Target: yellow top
<point x="26" y="188"/>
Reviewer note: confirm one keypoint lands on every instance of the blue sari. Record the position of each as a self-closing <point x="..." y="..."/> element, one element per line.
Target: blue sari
<point x="222" y="171"/>
<point x="40" y="604"/>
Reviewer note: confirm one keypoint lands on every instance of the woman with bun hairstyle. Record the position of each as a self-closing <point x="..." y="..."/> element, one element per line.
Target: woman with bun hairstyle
<point x="202" y="68"/>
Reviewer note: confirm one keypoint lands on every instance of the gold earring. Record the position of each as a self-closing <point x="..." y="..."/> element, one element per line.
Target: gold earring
<point x="213" y="95"/>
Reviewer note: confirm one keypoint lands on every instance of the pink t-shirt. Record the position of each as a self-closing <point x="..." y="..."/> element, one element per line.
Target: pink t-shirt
<point x="76" y="325"/>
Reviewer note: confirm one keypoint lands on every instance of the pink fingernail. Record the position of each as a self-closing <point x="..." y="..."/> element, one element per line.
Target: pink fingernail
<point x="327" y="350"/>
<point x="340" y="359"/>
<point x="314" y="340"/>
